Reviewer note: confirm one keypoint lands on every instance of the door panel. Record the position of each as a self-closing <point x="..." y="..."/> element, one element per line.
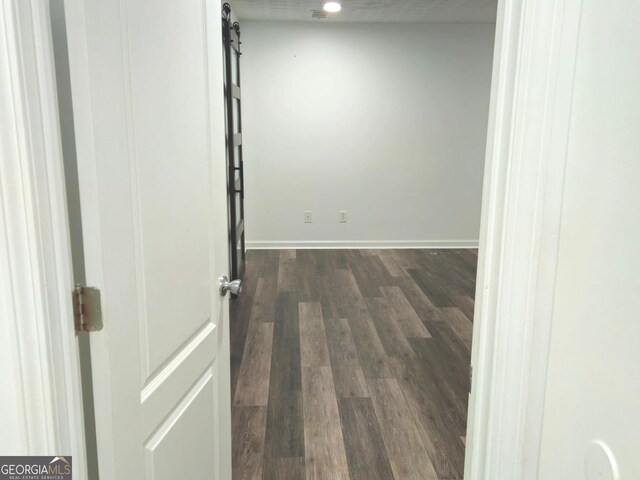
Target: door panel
<point x="170" y="164"/>
<point x="192" y="417"/>
<point x="148" y="100"/>
<point x="167" y="387"/>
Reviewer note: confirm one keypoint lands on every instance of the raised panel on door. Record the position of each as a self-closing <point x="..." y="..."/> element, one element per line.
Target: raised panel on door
<point x="169" y="129"/>
<point x="192" y="418"/>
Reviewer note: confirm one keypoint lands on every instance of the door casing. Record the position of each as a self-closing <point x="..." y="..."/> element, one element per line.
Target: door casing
<point x="529" y="119"/>
<point x="41" y="401"/>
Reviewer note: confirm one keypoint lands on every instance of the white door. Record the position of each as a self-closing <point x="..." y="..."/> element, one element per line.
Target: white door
<point x="147" y="90"/>
<point x="591" y="415"/>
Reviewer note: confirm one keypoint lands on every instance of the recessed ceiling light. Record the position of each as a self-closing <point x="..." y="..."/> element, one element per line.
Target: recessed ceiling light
<point x="332" y="7"/>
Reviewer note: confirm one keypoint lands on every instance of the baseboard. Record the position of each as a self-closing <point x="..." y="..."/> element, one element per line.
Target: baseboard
<point x="364" y="244"/>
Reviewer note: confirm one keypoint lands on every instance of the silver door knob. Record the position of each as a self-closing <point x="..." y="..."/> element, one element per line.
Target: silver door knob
<point x="224" y="285"/>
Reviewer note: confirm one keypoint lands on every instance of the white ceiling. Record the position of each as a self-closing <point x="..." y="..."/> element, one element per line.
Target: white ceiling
<point x="370" y="10"/>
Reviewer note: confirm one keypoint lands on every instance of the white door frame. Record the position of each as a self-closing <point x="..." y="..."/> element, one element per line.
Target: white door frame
<point x="41" y="401"/>
<point x="530" y="112"/>
<point x="529" y="120"/>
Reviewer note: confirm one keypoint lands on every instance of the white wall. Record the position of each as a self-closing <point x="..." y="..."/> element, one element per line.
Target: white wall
<point x="386" y="121"/>
<point x="593" y="392"/>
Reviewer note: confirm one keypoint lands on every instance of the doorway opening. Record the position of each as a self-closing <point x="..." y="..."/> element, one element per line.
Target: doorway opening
<point x="534" y="84"/>
<point x="364" y="141"/>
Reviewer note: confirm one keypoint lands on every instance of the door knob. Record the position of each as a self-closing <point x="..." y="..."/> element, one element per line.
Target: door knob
<point x="224" y="285"/>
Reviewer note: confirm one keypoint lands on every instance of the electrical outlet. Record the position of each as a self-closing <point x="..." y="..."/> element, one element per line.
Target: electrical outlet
<point x="307" y="216"/>
<point x="343" y="216"/>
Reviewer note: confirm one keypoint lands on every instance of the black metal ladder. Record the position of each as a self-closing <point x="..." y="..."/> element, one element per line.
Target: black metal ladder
<point x="235" y="165"/>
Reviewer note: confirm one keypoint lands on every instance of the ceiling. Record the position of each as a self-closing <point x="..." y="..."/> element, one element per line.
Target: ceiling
<point x="428" y="11"/>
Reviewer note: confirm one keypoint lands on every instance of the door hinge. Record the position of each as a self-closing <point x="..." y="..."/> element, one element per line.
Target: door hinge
<point x="470" y="377"/>
<point x="87" y="310"/>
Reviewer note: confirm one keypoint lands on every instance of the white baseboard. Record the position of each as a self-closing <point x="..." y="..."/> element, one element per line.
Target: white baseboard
<point x="364" y="244"/>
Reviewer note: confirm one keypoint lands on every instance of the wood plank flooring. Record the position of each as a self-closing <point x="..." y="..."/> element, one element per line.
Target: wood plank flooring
<point x="352" y="364"/>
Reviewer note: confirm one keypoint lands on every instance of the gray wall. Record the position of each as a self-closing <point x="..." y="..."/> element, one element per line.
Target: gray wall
<point x="386" y="121"/>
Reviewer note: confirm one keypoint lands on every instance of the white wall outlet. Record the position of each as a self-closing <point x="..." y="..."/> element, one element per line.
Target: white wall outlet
<point x="343" y="216"/>
<point x="307" y="216"/>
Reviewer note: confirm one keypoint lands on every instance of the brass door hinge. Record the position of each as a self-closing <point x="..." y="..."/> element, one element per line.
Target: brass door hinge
<point x="87" y="310"/>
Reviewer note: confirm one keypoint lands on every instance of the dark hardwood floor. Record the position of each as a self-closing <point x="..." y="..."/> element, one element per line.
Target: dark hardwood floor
<point x="352" y="364"/>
